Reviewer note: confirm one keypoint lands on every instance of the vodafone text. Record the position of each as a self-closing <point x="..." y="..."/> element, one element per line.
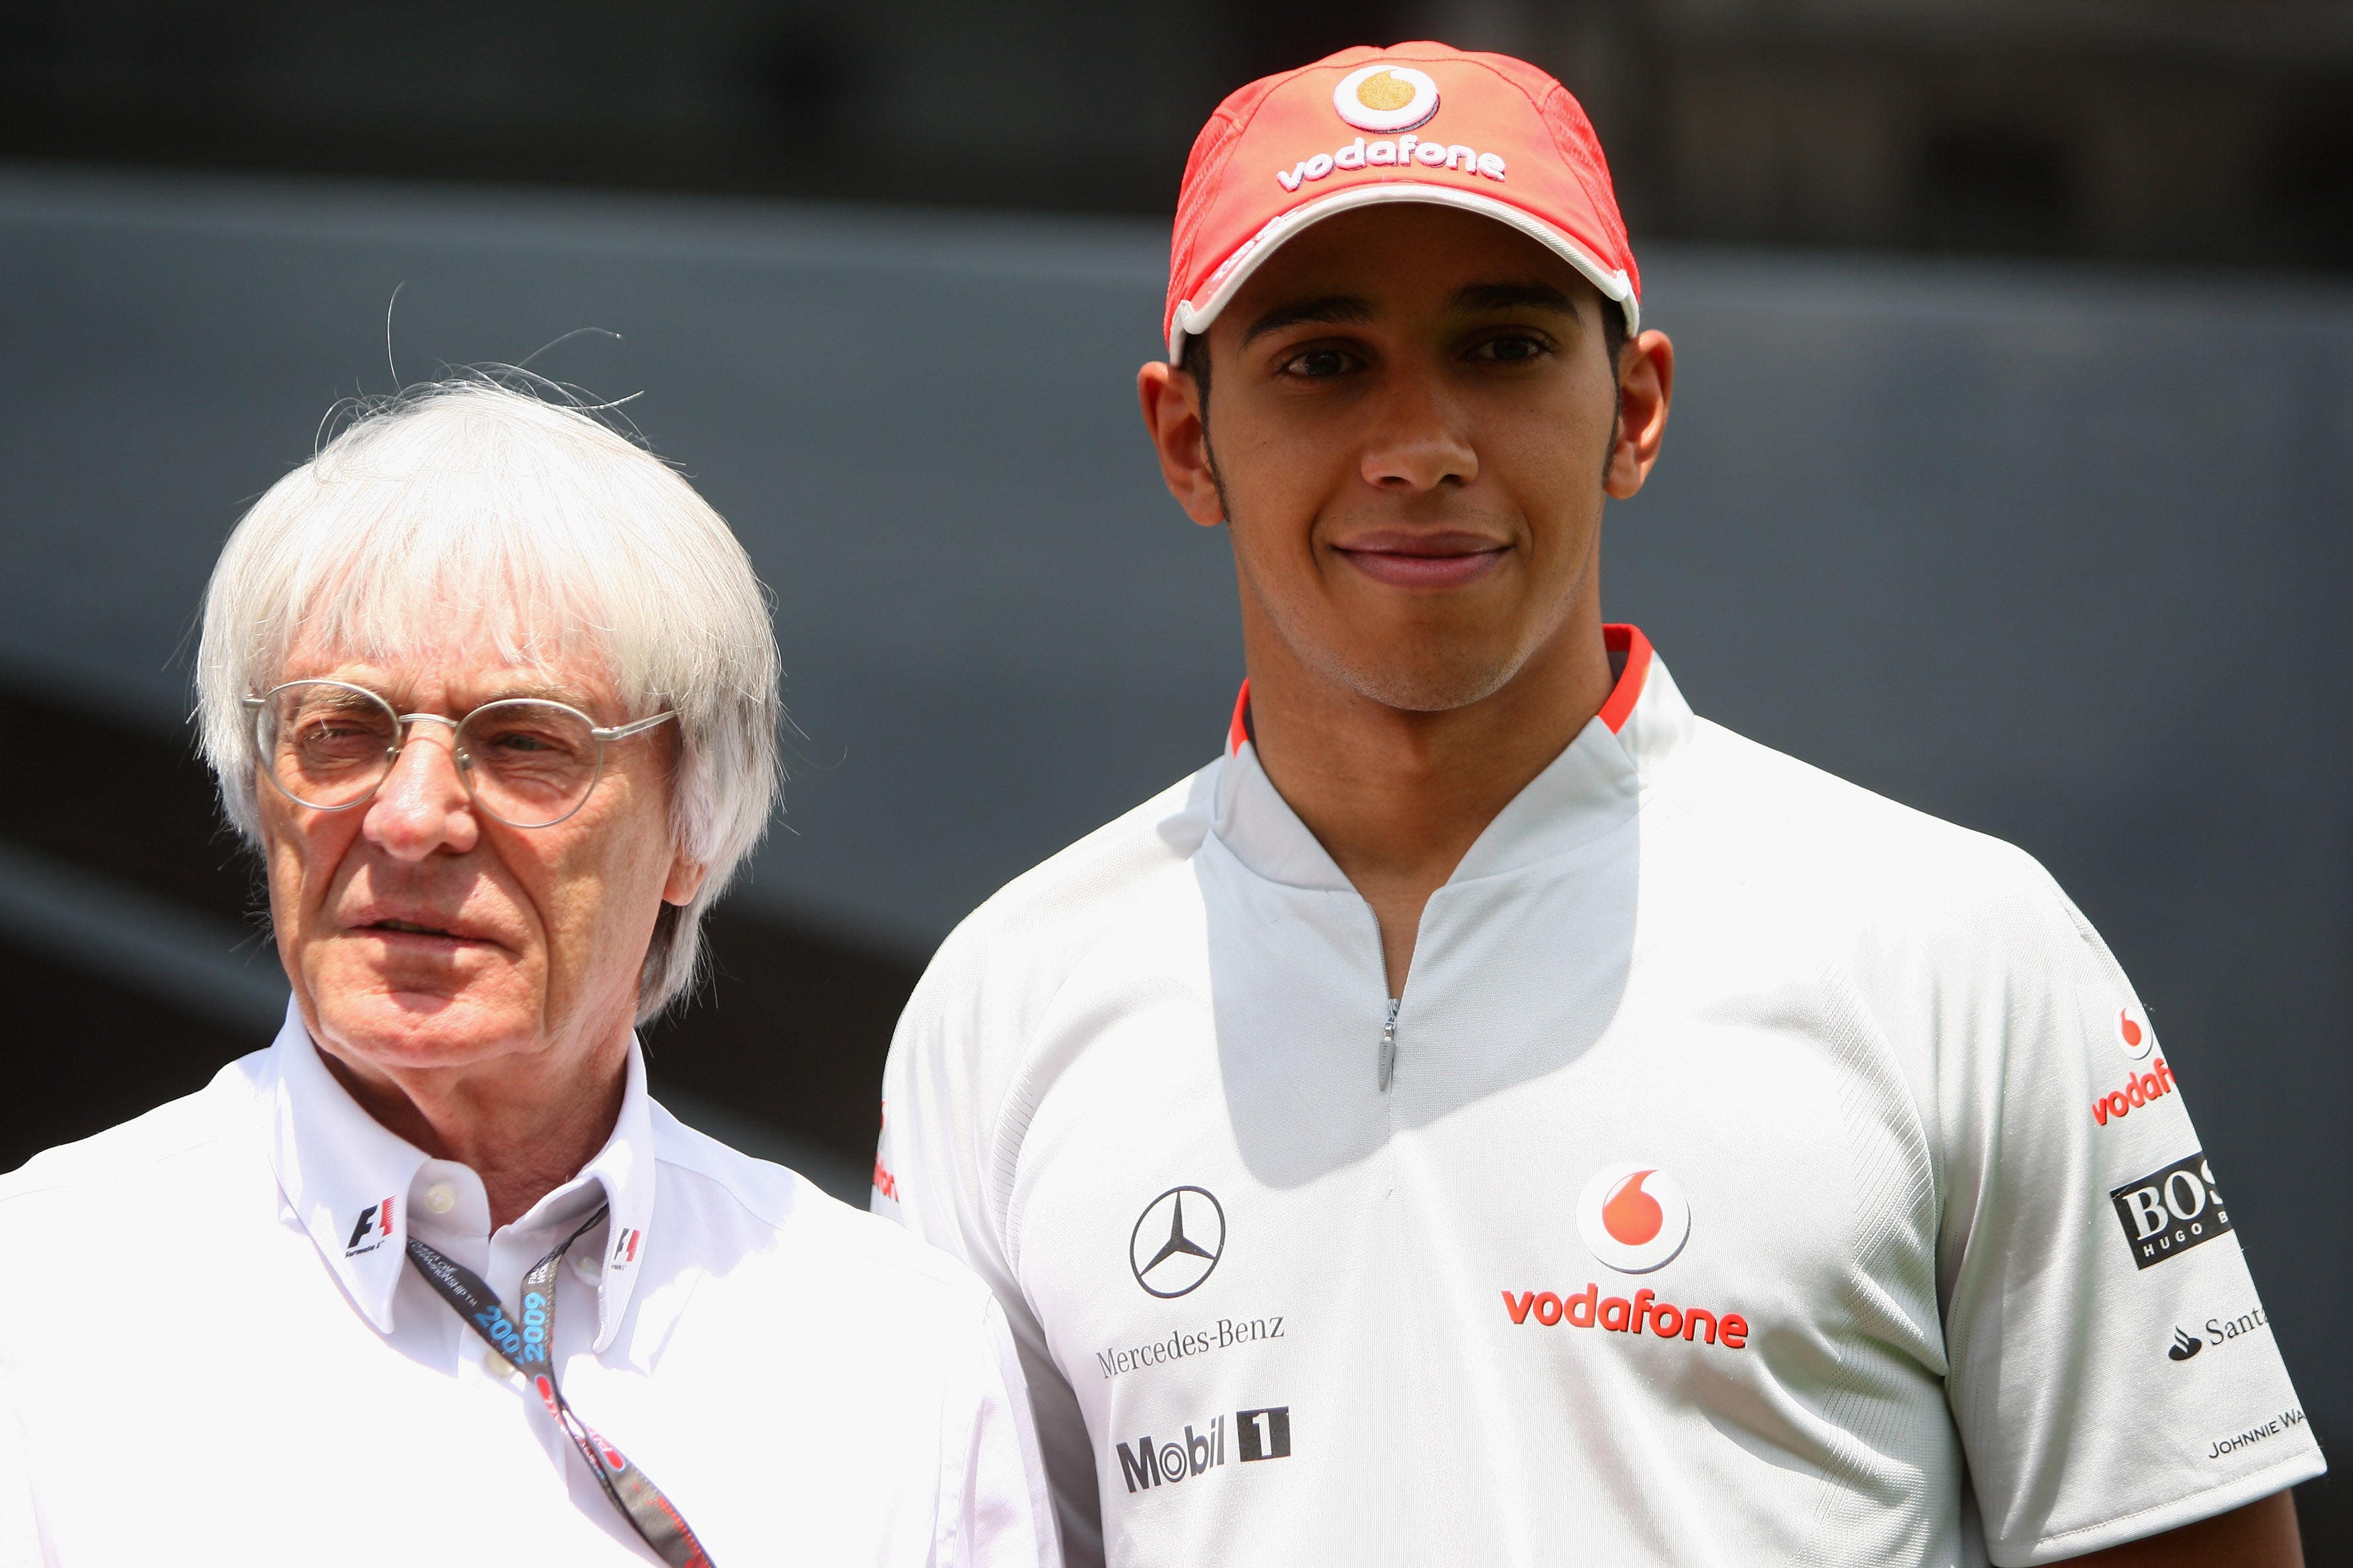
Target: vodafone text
<point x="1590" y="1309"/>
<point x="1258" y="1434"/>
<point x="1407" y="148"/>
<point x="1227" y="1333"/>
<point x="2140" y="1088"/>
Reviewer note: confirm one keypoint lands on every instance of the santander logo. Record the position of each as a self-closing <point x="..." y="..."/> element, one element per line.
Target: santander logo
<point x="1633" y="1217"/>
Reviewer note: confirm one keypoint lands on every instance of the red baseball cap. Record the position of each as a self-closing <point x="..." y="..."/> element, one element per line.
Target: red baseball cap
<point x="1415" y="123"/>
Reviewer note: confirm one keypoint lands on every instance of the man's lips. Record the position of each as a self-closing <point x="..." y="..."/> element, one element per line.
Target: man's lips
<point x="416" y="930"/>
<point x="1403" y="559"/>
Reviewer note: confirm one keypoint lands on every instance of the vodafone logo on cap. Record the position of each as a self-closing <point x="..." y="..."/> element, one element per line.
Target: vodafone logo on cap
<point x="1633" y="1217"/>
<point x="1385" y="98"/>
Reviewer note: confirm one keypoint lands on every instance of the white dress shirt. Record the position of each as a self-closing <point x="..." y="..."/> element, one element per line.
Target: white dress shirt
<point x="212" y="1349"/>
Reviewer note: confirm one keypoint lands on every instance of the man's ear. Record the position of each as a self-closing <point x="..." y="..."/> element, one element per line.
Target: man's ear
<point x="1171" y="417"/>
<point x="1646" y="386"/>
<point x="685" y="881"/>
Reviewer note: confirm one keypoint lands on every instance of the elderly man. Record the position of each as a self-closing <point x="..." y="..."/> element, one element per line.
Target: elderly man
<point x="492" y="692"/>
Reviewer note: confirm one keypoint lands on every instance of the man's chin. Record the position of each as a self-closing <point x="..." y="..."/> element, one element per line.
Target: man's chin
<point x="1429" y="686"/>
<point x="391" y="1027"/>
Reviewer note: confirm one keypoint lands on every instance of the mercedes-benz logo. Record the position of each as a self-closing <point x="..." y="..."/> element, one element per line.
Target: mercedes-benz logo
<point x="1175" y="1244"/>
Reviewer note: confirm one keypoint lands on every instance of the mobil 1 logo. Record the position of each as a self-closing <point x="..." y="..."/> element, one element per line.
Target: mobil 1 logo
<point x="1258" y="1434"/>
<point x="2168" y="1212"/>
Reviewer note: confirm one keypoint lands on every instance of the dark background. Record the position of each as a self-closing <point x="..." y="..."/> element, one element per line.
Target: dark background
<point x="2008" y="474"/>
<point x="2185" y="129"/>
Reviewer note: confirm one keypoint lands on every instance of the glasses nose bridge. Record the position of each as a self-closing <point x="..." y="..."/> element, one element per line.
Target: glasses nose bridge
<point x="405" y="721"/>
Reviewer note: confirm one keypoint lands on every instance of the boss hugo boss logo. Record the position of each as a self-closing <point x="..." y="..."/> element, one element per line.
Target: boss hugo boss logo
<point x="1176" y="1241"/>
<point x="1633" y="1217"/>
<point x="373" y="1227"/>
<point x="1258" y="1434"/>
<point x="2168" y="1212"/>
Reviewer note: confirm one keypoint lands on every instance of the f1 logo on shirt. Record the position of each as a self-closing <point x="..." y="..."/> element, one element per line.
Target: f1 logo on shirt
<point x="625" y="1248"/>
<point x="373" y="1227"/>
<point x="2168" y="1212"/>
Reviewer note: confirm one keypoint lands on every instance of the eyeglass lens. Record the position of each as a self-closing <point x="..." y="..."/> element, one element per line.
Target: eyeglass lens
<point x="528" y="762"/>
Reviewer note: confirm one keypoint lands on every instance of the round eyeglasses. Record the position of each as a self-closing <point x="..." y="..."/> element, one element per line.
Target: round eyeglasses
<point x="526" y="760"/>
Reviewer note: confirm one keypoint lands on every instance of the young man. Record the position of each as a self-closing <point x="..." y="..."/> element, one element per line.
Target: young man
<point x="1491" y="1115"/>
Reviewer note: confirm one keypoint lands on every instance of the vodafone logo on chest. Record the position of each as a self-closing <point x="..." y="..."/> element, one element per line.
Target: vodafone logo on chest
<point x="1635" y="1218"/>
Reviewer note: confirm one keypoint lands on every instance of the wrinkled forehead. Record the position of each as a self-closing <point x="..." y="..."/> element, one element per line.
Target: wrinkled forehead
<point x="427" y="635"/>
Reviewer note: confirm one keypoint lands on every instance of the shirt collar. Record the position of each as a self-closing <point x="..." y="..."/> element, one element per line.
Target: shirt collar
<point x="1593" y="786"/>
<point x="348" y="1179"/>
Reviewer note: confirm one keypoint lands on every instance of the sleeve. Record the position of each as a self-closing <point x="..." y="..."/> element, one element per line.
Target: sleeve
<point x="2110" y="1367"/>
<point x="936" y="1172"/>
<point x="1002" y="1515"/>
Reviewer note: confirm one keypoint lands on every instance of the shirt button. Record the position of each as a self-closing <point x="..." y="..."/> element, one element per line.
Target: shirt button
<point x="497" y="1365"/>
<point x="439" y="1199"/>
<point x="587" y="1265"/>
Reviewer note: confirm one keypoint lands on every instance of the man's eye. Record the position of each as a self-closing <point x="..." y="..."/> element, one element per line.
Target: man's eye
<point x="1317" y="364"/>
<point x="1510" y="348"/>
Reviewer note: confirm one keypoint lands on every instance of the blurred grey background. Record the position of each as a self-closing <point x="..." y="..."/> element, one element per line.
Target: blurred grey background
<point x="2008" y="472"/>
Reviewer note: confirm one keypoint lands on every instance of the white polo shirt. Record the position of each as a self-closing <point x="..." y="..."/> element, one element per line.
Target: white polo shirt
<point x="1754" y="1172"/>
<point x="213" y="1349"/>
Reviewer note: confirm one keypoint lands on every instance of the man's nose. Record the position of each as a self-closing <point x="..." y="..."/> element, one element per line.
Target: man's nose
<point x="422" y="806"/>
<point x="1419" y="439"/>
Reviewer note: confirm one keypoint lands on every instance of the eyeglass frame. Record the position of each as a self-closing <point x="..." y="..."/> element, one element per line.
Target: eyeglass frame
<point x="600" y="733"/>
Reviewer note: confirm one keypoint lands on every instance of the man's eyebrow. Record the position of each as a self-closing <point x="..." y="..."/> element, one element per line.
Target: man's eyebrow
<point x="545" y="691"/>
<point x="1481" y="298"/>
<point x="1351" y="309"/>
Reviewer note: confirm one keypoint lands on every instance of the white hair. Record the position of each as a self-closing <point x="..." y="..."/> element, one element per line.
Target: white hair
<point x="468" y="507"/>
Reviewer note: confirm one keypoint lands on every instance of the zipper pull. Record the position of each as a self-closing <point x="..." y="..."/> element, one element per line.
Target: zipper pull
<point x="1389" y="1047"/>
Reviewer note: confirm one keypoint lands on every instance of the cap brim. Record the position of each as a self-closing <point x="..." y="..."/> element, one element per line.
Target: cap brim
<point x="1190" y="318"/>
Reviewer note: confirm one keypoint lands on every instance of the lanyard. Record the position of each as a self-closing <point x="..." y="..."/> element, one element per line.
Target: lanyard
<point x="639" y="1501"/>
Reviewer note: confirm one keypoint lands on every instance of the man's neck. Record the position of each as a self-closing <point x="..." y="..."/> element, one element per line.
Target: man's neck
<point x="1395" y="796"/>
<point x="525" y="1138"/>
